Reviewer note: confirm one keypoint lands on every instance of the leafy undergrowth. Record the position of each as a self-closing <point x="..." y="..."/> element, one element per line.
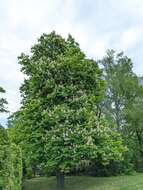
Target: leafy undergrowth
<point x="134" y="182"/>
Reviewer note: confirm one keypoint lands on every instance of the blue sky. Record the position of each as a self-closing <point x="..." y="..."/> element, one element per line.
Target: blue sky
<point x="97" y="25"/>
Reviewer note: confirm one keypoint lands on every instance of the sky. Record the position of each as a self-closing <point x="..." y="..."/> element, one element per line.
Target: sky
<point x="97" y="25"/>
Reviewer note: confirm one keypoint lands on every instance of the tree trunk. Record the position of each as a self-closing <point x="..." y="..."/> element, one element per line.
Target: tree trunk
<point x="60" y="180"/>
<point x="139" y="137"/>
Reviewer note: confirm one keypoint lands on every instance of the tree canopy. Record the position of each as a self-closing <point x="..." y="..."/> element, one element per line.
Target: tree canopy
<point x="57" y="123"/>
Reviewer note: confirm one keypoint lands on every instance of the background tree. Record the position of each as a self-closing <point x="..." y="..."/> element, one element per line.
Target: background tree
<point x="122" y="103"/>
<point x="121" y="84"/>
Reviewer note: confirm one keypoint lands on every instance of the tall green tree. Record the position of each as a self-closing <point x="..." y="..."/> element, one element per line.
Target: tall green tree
<point x="122" y="104"/>
<point x="58" y="123"/>
<point x="121" y="84"/>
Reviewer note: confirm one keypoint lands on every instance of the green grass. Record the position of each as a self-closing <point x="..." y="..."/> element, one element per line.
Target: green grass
<point x="134" y="182"/>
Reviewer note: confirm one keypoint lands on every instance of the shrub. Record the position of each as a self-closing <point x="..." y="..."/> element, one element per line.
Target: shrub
<point x="10" y="163"/>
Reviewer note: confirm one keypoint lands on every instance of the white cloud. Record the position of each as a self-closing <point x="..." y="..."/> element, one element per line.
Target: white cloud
<point x="98" y="49"/>
<point x="129" y="7"/>
<point x="31" y="12"/>
<point x="131" y="37"/>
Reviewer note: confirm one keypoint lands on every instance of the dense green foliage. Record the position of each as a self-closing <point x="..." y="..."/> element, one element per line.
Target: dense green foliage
<point x="5" y="162"/>
<point x="16" y="158"/>
<point x="58" y="126"/>
<point x="10" y="163"/>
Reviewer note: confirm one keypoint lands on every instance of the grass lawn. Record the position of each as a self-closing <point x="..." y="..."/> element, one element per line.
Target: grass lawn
<point x="133" y="182"/>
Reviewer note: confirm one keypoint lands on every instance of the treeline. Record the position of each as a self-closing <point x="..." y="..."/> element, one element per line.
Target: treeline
<point x="77" y="115"/>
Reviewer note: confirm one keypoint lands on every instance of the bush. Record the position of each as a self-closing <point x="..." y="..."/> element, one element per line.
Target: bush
<point x="10" y="164"/>
<point x="5" y="166"/>
<point x="16" y="166"/>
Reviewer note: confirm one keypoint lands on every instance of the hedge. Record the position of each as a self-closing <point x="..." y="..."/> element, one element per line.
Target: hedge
<point x="17" y="167"/>
<point x="10" y="165"/>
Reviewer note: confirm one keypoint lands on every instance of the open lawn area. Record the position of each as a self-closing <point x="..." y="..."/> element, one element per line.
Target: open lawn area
<point x="133" y="182"/>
